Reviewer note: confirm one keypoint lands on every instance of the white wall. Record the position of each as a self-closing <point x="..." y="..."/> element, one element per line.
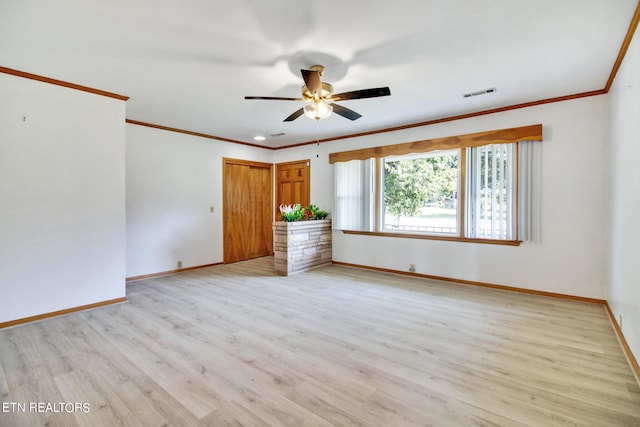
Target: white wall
<point x="172" y="181"/>
<point x="568" y="259"/>
<point x="62" y="195"/>
<point x="624" y="250"/>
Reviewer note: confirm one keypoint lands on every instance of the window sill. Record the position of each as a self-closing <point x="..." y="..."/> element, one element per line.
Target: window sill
<point x="436" y="237"/>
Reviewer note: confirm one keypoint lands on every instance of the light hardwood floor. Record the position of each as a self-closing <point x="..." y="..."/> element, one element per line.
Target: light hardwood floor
<point x="235" y="345"/>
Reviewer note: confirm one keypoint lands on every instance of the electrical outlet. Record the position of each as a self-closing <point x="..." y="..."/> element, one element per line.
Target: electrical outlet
<point x="412" y="268"/>
<point x="179" y="264"/>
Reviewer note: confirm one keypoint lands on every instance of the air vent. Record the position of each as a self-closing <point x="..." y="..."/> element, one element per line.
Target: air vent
<point x="480" y="92"/>
<point x="275" y="135"/>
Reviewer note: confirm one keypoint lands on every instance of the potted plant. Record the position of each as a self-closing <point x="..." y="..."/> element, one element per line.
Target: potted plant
<point x="295" y="212"/>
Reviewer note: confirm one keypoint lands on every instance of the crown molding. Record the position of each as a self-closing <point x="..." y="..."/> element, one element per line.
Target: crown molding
<point x="623" y="49"/>
<point x="62" y="83"/>
<point x="188" y="132"/>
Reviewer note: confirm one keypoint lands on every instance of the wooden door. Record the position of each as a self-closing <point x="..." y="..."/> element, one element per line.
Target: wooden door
<point x="247" y="213"/>
<point x="292" y="184"/>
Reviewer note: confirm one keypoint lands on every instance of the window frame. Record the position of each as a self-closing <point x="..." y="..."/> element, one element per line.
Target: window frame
<point x="461" y="142"/>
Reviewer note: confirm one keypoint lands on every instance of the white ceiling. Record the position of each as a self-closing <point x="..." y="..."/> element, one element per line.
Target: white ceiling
<point x="189" y="64"/>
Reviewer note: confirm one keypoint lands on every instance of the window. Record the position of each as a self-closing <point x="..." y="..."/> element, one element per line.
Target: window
<point x="420" y="193"/>
<point x="459" y="188"/>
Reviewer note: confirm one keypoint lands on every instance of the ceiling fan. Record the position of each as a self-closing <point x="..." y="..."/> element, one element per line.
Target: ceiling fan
<point x="320" y="98"/>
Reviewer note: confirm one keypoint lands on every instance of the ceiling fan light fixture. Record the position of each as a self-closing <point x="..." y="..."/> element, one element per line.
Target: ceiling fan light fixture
<point x="318" y="110"/>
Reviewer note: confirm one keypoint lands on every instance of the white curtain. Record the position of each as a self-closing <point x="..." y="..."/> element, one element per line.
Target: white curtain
<point x="529" y="179"/>
<point x="491" y="187"/>
<point x="354" y="195"/>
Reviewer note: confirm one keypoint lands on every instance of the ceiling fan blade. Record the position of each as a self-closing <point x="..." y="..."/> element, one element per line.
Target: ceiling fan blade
<point x="313" y="82"/>
<point x="294" y="116"/>
<point x="345" y="112"/>
<point x="363" y="93"/>
<point x="273" y="98"/>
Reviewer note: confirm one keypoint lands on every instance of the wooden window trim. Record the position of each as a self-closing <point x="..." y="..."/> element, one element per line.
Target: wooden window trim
<point x="500" y="136"/>
<point x="434" y="237"/>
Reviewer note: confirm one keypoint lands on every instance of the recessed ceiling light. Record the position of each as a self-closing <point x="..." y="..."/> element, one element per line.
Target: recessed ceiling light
<point x="259" y="138"/>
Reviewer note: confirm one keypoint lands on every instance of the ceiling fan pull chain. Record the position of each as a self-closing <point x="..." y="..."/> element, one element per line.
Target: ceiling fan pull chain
<point x="318" y="138"/>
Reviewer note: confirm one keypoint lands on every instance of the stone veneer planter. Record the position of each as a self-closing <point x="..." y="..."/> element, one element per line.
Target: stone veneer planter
<point x="301" y="245"/>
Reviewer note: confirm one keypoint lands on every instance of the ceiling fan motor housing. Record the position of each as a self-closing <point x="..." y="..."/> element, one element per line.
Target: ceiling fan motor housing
<point x="327" y="90"/>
